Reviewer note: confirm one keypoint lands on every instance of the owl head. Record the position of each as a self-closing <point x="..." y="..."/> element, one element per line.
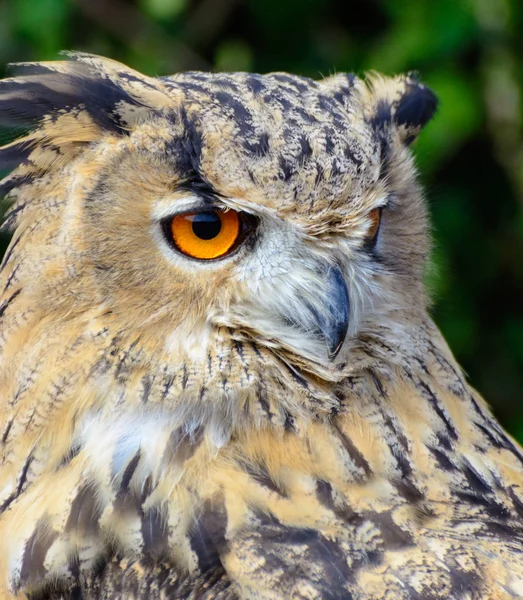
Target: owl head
<point x="229" y="229"/>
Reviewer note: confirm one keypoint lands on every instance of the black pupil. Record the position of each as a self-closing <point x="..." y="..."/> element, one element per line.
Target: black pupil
<point x="206" y="225"/>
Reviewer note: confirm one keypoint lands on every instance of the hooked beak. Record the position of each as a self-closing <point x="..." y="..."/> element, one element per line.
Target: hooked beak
<point x="333" y="321"/>
<point x="327" y="316"/>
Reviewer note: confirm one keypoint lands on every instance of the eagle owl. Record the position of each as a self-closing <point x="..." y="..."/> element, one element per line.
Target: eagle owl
<point x="219" y="377"/>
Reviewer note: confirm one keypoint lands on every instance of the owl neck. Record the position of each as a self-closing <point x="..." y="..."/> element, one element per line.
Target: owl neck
<point x="390" y="408"/>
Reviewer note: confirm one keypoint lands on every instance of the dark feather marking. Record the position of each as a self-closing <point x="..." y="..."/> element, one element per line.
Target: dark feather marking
<point x="129" y="471"/>
<point x="506" y="442"/>
<point x="35" y="552"/>
<point x="21" y="482"/>
<point x="7" y="429"/>
<point x="10" y="216"/>
<point x="14" y="155"/>
<point x="287" y="168"/>
<point x="394" y="537"/>
<point x="208" y="534"/>
<point x="121" y="364"/>
<point x="168" y="383"/>
<point x="155" y="533"/>
<point x="197" y="186"/>
<point x="442" y="459"/>
<point x="14" y="210"/>
<point x="518" y="502"/>
<point x="510" y="532"/>
<point x="277" y="547"/>
<point x="466" y="583"/>
<point x="226" y="83"/>
<point x="476" y="482"/>
<point x="497" y="511"/>
<point x="305" y="149"/>
<point x="147" y="489"/>
<point x="382" y="115"/>
<point x="131" y="78"/>
<point x="289" y="424"/>
<point x="192" y="142"/>
<point x="189" y="87"/>
<point x="26" y="102"/>
<point x="403" y="462"/>
<point x="239" y="350"/>
<point x="329" y="146"/>
<point x="328" y="105"/>
<point x="400" y="454"/>
<point x="261" y="394"/>
<point x="353" y="452"/>
<point x="73" y="564"/>
<point x="260" y="147"/>
<point x="496" y="442"/>
<point x="298" y="83"/>
<point x="434" y="401"/>
<point x="343" y="95"/>
<point x="185" y="377"/>
<point x="24" y="69"/>
<point x="85" y="512"/>
<point x="255" y="349"/>
<point x="297" y="377"/>
<point x="444" y="441"/>
<point x="378" y="384"/>
<point x="255" y="83"/>
<point x="67" y="458"/>
<point x="11" y="278"/>
<point x="261" y="475"/>
<point x="446" y="366"/>
<point x="409" y="491"/>
<point x="146" y="388"/>
<point x="415" y="108"/>
<point x="324" y="494"/>
<point x="12" y="182"/>
<point x="182" y="445"/>
<point x="148" y="579"/>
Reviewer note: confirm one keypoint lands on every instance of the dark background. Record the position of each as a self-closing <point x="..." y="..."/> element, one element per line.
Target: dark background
<point x="470" y="157"/>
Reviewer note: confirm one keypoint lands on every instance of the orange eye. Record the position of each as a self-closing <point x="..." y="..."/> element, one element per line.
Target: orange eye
<point x="207" y="234"/>
<point x="375" y="220"/>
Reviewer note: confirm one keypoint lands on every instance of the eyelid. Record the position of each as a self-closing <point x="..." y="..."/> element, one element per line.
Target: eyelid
<point x="191" y="203"/>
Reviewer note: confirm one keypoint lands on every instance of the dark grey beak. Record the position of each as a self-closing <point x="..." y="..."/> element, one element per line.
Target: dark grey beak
<point x="333" y="323"/>
<point x="331" y="316"/>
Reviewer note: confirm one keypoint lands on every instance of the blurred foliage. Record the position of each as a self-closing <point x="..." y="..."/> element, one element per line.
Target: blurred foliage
<point x="470" y="156"/>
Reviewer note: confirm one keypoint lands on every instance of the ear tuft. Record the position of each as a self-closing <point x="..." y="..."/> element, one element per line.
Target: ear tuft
<point x="109" y="93"/>
<point x="63" y="105"/>
<point x="415" y="108"/>
<point x="401" y="103"/>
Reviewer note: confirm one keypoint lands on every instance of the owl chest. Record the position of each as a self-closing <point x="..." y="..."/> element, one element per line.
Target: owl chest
<point x="265" y="511"/>
<point x="275" y="512"/>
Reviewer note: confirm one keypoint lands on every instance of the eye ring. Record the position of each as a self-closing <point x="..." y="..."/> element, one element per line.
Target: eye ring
<point x="208" y="234"/>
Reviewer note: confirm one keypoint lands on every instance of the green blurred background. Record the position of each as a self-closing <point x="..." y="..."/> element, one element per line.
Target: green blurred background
<point x="471" y="156"/>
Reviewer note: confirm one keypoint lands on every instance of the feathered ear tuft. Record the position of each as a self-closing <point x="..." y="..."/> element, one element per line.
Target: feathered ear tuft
<point x="402" y="102"/>
<point x="415" y="108"/>
<point x="67" y="104"/>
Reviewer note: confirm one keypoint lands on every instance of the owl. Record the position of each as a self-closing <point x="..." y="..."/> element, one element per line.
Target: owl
<point x="219" y="378"/>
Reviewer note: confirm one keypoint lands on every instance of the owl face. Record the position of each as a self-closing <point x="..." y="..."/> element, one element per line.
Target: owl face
<point x="205" y="211"/>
